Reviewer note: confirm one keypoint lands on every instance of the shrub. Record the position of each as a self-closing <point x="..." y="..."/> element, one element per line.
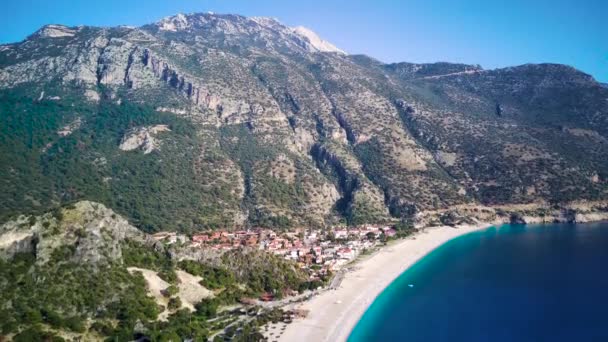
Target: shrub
<point x="170" y="291"/>
<point x="174" y="303"/>
<point x="75" y="324"/>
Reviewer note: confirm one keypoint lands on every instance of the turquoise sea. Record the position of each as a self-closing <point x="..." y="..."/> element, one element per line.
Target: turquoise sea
<point x="509" y="283"/>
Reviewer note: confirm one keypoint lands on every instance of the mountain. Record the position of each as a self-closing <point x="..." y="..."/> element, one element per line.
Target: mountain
<point x="203" y="121"/>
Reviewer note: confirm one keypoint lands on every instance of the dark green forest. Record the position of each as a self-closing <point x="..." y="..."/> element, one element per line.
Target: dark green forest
<point x="39" y="169"/>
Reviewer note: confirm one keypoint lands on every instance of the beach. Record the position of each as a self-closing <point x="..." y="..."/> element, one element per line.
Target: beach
<point x="333" y="313"/>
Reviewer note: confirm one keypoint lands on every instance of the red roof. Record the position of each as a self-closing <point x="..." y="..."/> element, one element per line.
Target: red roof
<point x="267" y="297"/>
<point x="200" y="238"/>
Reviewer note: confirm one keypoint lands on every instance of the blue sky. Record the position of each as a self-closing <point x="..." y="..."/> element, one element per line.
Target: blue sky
<point x="491" y="33"/>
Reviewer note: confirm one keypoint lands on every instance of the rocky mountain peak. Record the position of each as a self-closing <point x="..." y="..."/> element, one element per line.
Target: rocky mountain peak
<point x="261" y="27"/>
<point x="211" y="21"/>
<point x="55" y="31"/>
<point x="315" y="42"/>
<point x="174" y="23"/>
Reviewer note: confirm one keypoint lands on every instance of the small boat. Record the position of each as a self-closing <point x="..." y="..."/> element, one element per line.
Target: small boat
<point x="410" y="285"/>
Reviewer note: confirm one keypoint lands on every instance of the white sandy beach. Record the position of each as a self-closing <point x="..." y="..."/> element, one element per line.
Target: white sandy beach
<point x="334" y="313"/>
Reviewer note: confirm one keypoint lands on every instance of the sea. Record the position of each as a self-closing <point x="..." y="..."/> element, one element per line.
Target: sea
<point x="511" y="283"/>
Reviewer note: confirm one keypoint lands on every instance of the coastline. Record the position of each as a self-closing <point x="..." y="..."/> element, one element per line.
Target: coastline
<point x="333" y="314"/>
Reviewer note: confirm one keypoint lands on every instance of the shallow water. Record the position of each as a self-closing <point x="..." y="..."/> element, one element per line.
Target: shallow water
<point x="511" y="283"/>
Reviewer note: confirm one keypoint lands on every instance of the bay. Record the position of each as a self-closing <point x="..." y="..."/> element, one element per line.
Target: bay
<point x="509" y="283"/>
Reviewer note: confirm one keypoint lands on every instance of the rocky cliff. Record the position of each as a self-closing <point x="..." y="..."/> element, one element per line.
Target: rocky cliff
<point x="93" y="231"/>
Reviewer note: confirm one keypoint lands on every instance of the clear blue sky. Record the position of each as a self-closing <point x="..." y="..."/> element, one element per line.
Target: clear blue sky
<point x="489" y="33"/>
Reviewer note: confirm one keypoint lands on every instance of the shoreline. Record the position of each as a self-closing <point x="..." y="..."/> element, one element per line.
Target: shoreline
<point x="333" y="314"/>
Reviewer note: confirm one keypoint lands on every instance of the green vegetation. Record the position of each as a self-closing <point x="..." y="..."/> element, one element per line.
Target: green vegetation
<point x="174" y="303"/>
<point x="138" y="255"/>
<point x="213" y="277"/>
<point x="255" y="156"/>
<point x="258" y="271"/>
<point x="36" y="334"/>
<point x="39" y="168"/>
<point x="371" y="155"/>
<point x="262" y="271"/>
<point x="405" y="225"/>
<point x="243" y="147"/>
<point x="62" y="295"/>
<point x="170" y="291"/>
<point x="65" y="296"/>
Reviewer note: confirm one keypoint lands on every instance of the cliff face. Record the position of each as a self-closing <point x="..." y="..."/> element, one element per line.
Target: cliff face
<point x="271" y="125"/>
<point x="93" y="231"/>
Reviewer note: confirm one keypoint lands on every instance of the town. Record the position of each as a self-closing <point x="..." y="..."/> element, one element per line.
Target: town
<point x="319" y="252"/>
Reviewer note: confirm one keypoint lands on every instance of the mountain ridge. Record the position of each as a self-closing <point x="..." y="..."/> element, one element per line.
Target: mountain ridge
<point x="60" y="30"/>
<point x="263" y="128"/>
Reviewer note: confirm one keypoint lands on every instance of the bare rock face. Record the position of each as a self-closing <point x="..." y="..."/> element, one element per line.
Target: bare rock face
<point x="175" y="23"/>
<point x="313" y="42"/>
<point x="92" y="95"/>
<point x="94" y="231"/>
<point x="15" y="241"/>
<point x="142" y="138"/>
<point x="113" y="62"/>
<point x="56" y="31"/>
<point x="71" y="127"/>
<point x="99" y="232"/>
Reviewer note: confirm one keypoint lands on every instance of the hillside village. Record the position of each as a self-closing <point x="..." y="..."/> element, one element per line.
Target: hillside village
<point x="317" y="251"/>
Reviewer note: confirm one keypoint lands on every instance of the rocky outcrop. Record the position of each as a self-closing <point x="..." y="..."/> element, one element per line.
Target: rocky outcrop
<point x="357" y="193"/>
<point x="92" y="232"/>
<point x="15" y="242"/>
<point x="70" y="127"/>
<point x="55" y="31"/>
<point x="142" y="138"/>
<point x="194" y="91"/>
<point x="313" y="42"/>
